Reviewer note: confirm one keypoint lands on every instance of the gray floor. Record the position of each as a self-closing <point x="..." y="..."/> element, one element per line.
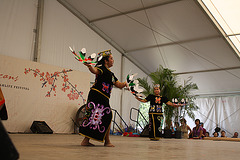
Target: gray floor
<point x="67" y="147"/>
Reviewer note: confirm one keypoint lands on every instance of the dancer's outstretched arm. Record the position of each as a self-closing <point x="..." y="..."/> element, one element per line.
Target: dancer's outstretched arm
<point x="141" y="100"/>
<point x="92" y="69"/>
<point x="120" y="84"/>
<point x="174" y="105"/>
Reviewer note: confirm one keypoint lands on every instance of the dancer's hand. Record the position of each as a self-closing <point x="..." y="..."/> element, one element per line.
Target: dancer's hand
<point x="87" y="64"/>
<point x="179" y="105"/>
<point x="125" y="83"/>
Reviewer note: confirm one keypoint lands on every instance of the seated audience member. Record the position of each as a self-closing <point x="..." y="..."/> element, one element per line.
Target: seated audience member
<point x="176" y="126"/>
<point x="207" y="134"/>
<point x="198" y="130"/>
<point x="204" y="130"/>
<point x="235" y="135"/>
<point x="171" y="127"/>
<point x="223" y="133"/>
<point x="184" y="129"/>
<point x="215" y="134"/>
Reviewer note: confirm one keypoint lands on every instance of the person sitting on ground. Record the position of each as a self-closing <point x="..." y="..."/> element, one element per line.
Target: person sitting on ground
<point x="207" y="134"/>
<point x="176" y="129"/>
<point x="170" y="127"/>
<point x="235" y="135"/>
<point x="184" y="129"/>
<point x="198" y="130"/>
<point x="204" y="130"/>
<point x="215" y="134"/>
<point x="176" y="126"/>
<point x="223" y="133"/>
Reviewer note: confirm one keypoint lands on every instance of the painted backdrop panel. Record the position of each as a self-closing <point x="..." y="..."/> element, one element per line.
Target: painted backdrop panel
<point x="40" y="92"/>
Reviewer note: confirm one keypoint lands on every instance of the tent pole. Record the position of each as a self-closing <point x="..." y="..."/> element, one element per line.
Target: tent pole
<point x="122" y="90"/>
<point x="38" y="31"/>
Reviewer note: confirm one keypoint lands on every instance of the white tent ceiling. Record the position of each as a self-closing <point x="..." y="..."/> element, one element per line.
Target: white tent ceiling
<point x="176" y="34"/>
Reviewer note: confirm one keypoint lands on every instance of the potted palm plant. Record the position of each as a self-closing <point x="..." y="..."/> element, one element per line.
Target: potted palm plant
<point x="171" y="89"/>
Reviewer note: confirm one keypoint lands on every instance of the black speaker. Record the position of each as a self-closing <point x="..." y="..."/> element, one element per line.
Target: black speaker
<point x="7" y="149"/>
<point x="41" y="127"/>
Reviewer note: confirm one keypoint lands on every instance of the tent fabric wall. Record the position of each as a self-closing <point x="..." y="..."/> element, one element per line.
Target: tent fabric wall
<point x="18" y="20"/>
<point x="223" y="112"/>
<point x="60" y="30"/>
<point x="207" y="82"/>
<point x="185" y="39"/>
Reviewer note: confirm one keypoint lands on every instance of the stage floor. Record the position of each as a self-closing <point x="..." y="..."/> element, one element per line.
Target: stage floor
<point x="67" y="147"/>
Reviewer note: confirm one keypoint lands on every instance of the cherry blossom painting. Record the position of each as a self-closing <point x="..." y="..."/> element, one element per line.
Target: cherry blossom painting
<point x="49" y="80"/>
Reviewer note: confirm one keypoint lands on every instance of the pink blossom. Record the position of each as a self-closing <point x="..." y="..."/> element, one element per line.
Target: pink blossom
<point x="70" y="96"/>
<point x="75" y="95"/>
<point x="64" y="89"/>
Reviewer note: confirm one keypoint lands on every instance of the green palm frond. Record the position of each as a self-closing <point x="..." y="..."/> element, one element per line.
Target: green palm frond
<point x="169" y="88"/>
<point x="143" y="82"/>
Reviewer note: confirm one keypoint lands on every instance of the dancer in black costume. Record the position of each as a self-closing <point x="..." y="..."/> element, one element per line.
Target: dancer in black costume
<point x="96" y="123"/>
<point x="156" y="112"/>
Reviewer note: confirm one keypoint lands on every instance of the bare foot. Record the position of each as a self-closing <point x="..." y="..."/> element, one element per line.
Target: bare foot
<point x="108" y="145"/>
<point x="87" y="144"/>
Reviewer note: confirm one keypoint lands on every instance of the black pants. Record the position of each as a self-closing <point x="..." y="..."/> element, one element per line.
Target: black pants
<point x="155" y="125"/>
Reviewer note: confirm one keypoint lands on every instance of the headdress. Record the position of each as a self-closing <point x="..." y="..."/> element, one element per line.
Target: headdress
<point x="105" y="53"/>
<point x="90" y="60"/>
<point x="156" y="85"/>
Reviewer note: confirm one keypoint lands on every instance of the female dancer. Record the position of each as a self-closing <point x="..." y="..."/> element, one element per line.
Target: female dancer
<point x="155" y="112"/>
<point x="96" y="123"/>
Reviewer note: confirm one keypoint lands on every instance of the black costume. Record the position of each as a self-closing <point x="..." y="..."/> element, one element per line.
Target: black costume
<point x="3" y="110"/>
<point x="155" y="115"/>
<point x="98" y="116"/>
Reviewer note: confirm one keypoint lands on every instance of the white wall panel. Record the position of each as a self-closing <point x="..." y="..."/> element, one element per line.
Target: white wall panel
<point x="128" y="67"/>
<point x="62" y="29"/>
<point x="17" y="22"/>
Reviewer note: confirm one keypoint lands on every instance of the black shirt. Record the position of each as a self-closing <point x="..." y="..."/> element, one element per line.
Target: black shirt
<point x="156" y="103"/>
<point x="104" y="81"/>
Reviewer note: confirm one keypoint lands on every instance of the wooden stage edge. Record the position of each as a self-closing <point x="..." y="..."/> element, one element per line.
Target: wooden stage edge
<point x="222" y="139"/>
